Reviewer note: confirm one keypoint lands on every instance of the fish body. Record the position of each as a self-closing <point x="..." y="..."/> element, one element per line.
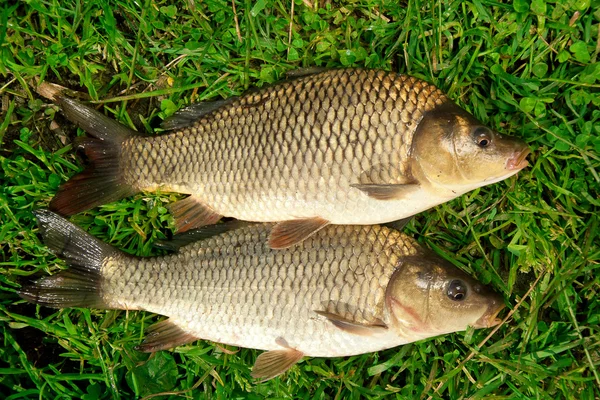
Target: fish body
<point x="345" y="146"/>
<point x="345" y="290"/>
<point x="293" y="150"/>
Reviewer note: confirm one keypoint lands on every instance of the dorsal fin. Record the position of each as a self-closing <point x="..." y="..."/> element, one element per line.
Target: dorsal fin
<point x="190" y="114"/>
<point x="195" y="235"/>
<point x="302" y="72"/>
<point x="399" y="224"/>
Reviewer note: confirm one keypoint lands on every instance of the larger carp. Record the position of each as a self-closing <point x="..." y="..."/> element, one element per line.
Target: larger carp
<point x="345" y="290"/>
<point x="346" y="146"/>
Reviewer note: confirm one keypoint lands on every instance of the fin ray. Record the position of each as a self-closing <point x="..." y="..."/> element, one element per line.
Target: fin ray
<point x="94" y="122"/>
<point x="191" y="213"/>
<point x="98" y="184"/>
<point x="399" y="224"/>
<point x="304" y="72"/>
<point x="165" y="335"/>
<point x="190" y="114"/>
<point x="272" y="363"/>
<point x="194" y="235"/>
<point x="101" y="181"/>
<point x="288" y="233"/>
<point x="387" y="192"/>
<point x="78" y="286"/>
<point x="355" y="327"/>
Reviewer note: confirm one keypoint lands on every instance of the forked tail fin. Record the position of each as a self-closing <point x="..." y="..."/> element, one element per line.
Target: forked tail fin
<point x="101" y="182"/>
<point x="80" y="285"/>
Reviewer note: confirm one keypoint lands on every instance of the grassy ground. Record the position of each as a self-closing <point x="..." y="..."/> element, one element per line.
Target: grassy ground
<point x="526" y="69"/>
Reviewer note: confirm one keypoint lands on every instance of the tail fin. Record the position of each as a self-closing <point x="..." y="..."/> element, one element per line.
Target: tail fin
<point x="101" y="182"/>
<point x="78" y="286"/>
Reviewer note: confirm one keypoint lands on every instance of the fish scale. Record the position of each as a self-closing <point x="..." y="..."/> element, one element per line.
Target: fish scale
<point x="320" y="139"/>
<point x="343" y="291"/>
<point x="220" y="287"/>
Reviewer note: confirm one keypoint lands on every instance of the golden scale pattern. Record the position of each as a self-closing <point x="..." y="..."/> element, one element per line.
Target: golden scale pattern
<point x="304" y="140"/>
<point x="234" y="282"/>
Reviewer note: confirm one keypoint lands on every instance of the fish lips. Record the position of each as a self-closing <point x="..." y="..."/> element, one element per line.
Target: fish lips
<point x="518" y="160"/>
<point x="490" y="318"/>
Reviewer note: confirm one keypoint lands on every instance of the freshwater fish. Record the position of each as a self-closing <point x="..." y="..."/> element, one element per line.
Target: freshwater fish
<point x="347" y="146"/>
<point x="343" y="291"/>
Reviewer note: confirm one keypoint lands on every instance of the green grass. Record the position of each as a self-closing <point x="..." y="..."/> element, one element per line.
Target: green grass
<point x="527" y="69"/>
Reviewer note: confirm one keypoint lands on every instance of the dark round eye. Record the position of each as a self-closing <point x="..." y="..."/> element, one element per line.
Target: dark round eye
<point x="482" y="136"/>
<point x="457" y="290"/>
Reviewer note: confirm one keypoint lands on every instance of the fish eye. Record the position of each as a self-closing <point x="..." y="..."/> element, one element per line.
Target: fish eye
<point x="457" y="290"/>
<point x="482" y="136"/>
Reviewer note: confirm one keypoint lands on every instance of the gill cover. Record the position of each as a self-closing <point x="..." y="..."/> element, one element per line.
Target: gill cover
<point x="428" y="296"/>
<point x="454" y="150"/>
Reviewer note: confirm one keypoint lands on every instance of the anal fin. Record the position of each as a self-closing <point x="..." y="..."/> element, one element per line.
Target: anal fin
<point x="387" y="192"/>
<point x="191" y="213"/>
<point x="165" y="335"/>
<point x="272" y="363"/>
<point x="288" y="233"/>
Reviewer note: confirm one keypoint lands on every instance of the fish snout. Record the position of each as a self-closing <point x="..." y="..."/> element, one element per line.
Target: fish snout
<point x="490" y="318"/>
<point x="518" y="160"/>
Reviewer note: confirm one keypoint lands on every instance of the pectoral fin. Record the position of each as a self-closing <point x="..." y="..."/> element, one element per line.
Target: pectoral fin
<point x="288" y="233"/>
<point x="358" y="328"/>
<point x="272" y="363"/>
<point x="387" y="192"/>
<point x="191" y="213"/>
<point x="165" y="335"/>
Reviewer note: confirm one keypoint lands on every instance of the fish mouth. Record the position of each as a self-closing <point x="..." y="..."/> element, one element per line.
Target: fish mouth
<point x="490" y="318"/>
<point x="518" y="161"/>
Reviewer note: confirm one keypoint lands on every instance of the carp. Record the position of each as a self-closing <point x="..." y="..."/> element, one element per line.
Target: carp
<point x="346" y="290"/>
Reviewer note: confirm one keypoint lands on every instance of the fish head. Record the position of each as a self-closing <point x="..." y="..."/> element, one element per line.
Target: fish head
<point x="452" y="150"/>
<point x="427" y="297"/>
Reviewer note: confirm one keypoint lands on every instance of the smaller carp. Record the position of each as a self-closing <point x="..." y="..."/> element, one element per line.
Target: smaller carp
<point x="345" y="290"/>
